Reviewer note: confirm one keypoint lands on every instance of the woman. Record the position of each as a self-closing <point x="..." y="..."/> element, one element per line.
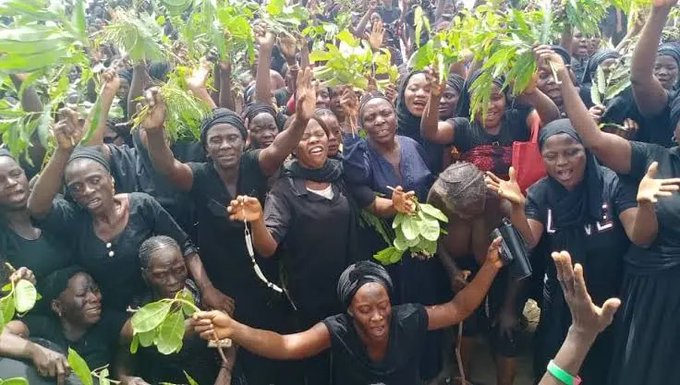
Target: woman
<point x="165" y="274"/>
<point x="334" y="131"/>
<point x="262" y="123"/>
<point x="650" y="287"/>
<point x="604" y="59"/>
<point x="372" y="342"/>
<point x="310" y="219"/>
<point x="547" y="83"/>
<point x="449" y="102"/>
<point x="584" y="208"/>
<point x="105" y="228"/>
<point x="21" y="243"/>
<point x="231" y="172"/>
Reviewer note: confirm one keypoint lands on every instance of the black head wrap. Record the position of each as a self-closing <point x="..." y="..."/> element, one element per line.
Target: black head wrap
<point x="56" y="282"/>
<point x="407" y="123"/>
<point x="5" y="152"/>
<point x="465" y="100"/>
<point x="367" y="98"/>
<point x="456" y="82"/>
<point x="595" y="61"/>
<point x="126" y="74"/>
<point x="675" y="112"/>
<point x="222" y="116"/>
<point x="562" y="52"/>
<point x="258" y="108"/>
<point x="670" y="49"/>
<point x="358" y="274"/>
<point x="90" y="153"/>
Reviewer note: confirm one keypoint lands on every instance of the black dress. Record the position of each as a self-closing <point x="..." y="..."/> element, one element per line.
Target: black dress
<point x="43" y="255"/>
<point x="114" y="265"/>
<point x="351" y="364"/>
<point x="647" y="349"/>
<point x="605" y="245"/>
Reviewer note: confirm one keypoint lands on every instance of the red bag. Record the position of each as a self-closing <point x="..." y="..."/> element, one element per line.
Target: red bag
<point x="527" y="159"/>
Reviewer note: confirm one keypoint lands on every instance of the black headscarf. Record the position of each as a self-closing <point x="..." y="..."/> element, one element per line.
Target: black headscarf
<point x="456" y="82"/>
<point x="675" y="112"/>
<point x="90" y="153"/>
<point x="464" y="101"/>
<point x="222" y="116"/>
<point x="56" y="282"/>
<point x="331" y="171"/>
<point x="670" y="49"/>
<point x="558" y="49"/>
<point x="257" y="108"/>
<point x="367" y="98"/>
<point x="407" y="123"/>
<point x="594" y="62"/>
<point x="358" y="274"/>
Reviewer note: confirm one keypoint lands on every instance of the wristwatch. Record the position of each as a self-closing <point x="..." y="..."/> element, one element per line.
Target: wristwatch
<point x="562" y="374"/>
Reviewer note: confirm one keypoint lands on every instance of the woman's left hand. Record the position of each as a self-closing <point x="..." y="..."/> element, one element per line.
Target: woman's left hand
<point x="508" y="190"/>
<point x="650" y="189"/>
<point x="22" y="273"/>
<point x="493" y="255"/>
<point x="403" y="201"/>
<point x="305" y="95"/>
<point x="215" y="299"/>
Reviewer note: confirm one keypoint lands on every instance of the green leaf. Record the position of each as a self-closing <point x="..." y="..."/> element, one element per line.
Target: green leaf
<point x="410" y="228"/>
<point x="25" y="296"/>
<point x="7" y="309"/>
<point x="275" y="7"/>
<point x="430" y="229"/>
<point x="79" y="367"/>
<point x="189" y="378"/>
<point x="78" y="19"/>
<point x="434" y="212"/>
<point x="97" y="110"/>
<point x="388" y="256"/>
<point x="595" y="93"/>
<point x="134" y="344"/>
<point x="400" y="242"/>
<point x="146" y="339"/>
<point x="14" y="381"/>
<point x="601" y="81"/>
<point x="150" y="316"/>
<point x="171" y="333"/>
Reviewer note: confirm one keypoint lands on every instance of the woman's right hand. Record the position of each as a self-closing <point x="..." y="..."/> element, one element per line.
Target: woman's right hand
<point x="545" y="54"/>
<point x="508" y="190"/>
<point x="436" y="87"/>
<point x="213" y="324"/>
<point x="245" y="208"/>
<point x="155" y="117"/>
<point x="596" y="112"/>
<point x="68" y="132"/>
<point x="49" y="363"/>
<point x="650" y="189"/>
<point x="403" y="201"/>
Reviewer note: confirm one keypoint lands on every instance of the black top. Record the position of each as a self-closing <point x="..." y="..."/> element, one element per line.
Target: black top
<point x="195" y="357"/>
<point x="664" y="253"/>
<point x="351" y="364"/>
<point x="115" y="268"/>
<point x="97" y="346"/>
<point x="491" y="152"/>
<point x="221" y="241"/>
<point x="606" y="240"/>
<point x="43" y="255"/>
<point x="313" y="233"/>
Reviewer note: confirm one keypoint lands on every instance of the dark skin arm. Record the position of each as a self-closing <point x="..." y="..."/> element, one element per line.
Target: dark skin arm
<point x="47" y="362"/>
<point x="430" y="126"/>
<point x="545" y="107"/>
<point x="111" y="85"/>
<point x="30" y="101"/>
<point x="650" y="96"/>
<point x="140" y="79"/>
<point x="263" y="88"/>
<point x="226" y="98"/>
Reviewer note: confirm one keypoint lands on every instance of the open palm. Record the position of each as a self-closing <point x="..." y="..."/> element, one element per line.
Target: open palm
<point x="506" y="189"/>
<point x="650" y="189"/>
<point x="245" y="208"/>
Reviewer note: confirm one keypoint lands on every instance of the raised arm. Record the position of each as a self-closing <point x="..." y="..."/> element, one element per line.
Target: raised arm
<point x="163" y="160"/>
<point x="612" y="150"/>
<point x="430" y="126"/>
<point x="650" y="96"/>
<point x="263" y="87"/>
<point x="545" y="107"/>
<point x="468" y="299"/>
<point x="68" y="134"/>
<point x="30" y="101"/>
<point x="360" y="30"/>
<point x="226" y="98"/>
<point x="111" y="85"/>
<point x="139" y="81"/>
<point x="263" y="342"/>
<point x="196" y="82"/>
<point x="272" y="157"/>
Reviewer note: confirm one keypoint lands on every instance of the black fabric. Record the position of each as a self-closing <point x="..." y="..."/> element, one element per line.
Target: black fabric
<point x="675" y="113"/>
<point x="456" y="82"/>
<point x="358" y="274"/>
<point x="90" y="153"/>
<point x="222" y="116"/>
<point x="119" y="276"/>
<point x="97" y="346"/>
<point x="595" y="60"/>
<point x="257" y="108"/>
<point x="42" y="255"/>
<point x="558" y="49"/>
<point x="351" y="363"/>
<point x="670" y="49"/>
<point x="330" y="172"/>
<point x="57" y="281"/>
<point x="5" y="152"/>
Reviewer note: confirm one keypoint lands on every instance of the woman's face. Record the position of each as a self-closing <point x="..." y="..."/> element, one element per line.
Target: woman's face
<point x="81" y="302"/>
<point x="371" y="311"/>
<point x="335" y="134"/>
<point x="546" y="84"/>
<point x="593" y="45"/>
<point x="380" y="121"/>
<point x="312" y="150"/>
<point x="323" y="98"/>
<point x="262" y="130"/>
<point x="448" y="103"/>
<point x="494" y="116"/>
<point x="579" y="46"/>
<point x="335" y="105"/>
<point x="666" y="70"/>
<point x="123" y="90"/>
<point x="565" y="160"/>
<point x="13" y="185"/>
<point x="224" y="145"/>
<point x="416" y="94"/>
<point x="90" y="184"/>
<point x="166" y="272"/>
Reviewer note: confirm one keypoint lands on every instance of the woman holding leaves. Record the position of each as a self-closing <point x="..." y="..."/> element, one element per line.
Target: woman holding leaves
<point x="165" y="275"/>
<point x="105" y="229"/>
<point x="586" y="209"/>
<point x="373" y="341"/>
<point x="650" y="291"/>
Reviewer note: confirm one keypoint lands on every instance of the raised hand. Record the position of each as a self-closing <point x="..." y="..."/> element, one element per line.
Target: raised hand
<point x="245" y="208"/>
<point x="508" y="190"/>
<point x="545" y="54"/>
<point x="263" y="37"/>
<point x="198" y="78"/>
<point x="403" y="201"/>
<point x="350" y="105"/>
<point x="155" y="117"/>
<point x="68" y="131"/>
<point x="288" y="47"/>
<point x="586" y="316"/>
<point x="375" y="39"/>
<point x="436" y="87"/>
<point x="650" y="189"/>
<point x="111" y="82"/>
<point x="391" y="93"/>
<point x="305" y="95"/>
<point x="209" y="324"/>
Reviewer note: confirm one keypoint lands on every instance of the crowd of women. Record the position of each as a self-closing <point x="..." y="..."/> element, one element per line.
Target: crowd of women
<point x="263" y="222"/>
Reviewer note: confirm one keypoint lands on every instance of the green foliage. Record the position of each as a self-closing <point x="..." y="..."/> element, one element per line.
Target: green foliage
<point x="161" y="323"/>
<point x="138" y="35"/>
<point x="417" y="232"/>
<point x="606" y="86"/>
<point x="282" y="18"/>
<point x="79" y="367"/>
<point x="14" y="381"/>
<point x="584" y="15"/>
<point x="421" y="22"/>
<point x="18" y="298"/>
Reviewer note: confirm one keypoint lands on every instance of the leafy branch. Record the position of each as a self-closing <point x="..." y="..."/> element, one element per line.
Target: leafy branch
<point x="19" y="297"/>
